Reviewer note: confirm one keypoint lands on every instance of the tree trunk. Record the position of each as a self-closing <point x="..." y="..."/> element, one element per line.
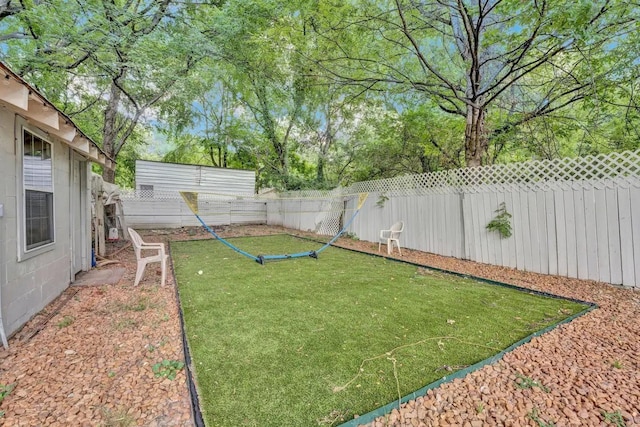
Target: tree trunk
<point x="320" y="169"/>
<point x="110" y="131"/>
<point x="212" y="156"/>
<point x="268" y="125"/>
<point x="325" y="144"/>
<point x="109" y="141"/>
<point x="424" y="163"/>
<point x="476" y="141"/>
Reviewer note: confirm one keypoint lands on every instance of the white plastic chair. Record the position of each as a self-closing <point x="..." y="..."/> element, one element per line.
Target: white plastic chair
<point x="391" y="236"/>
<point x="139" y="245"/>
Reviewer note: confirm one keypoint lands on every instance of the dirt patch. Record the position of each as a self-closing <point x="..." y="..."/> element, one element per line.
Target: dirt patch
<point x="98" y="277"/>
<point x="91" y="363"/>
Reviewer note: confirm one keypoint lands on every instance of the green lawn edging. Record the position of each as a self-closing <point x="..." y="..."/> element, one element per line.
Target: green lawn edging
<point x="383" y="410"/>
<point x="191" y="386"/>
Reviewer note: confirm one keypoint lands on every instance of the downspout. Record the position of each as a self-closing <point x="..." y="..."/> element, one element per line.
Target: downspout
<point x="2" y="275"/>
<point x="88" y="218"/>
<point x="72" y="276"/>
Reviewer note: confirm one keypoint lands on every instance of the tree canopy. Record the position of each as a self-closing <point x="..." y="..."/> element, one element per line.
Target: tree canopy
<point x="319" y="94"/>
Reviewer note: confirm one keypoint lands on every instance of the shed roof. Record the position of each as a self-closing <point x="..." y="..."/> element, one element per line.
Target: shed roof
<point x="20" y="97"/>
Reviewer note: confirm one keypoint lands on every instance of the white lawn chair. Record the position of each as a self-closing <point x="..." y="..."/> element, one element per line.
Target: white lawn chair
<point x="139" y="245"/>
<point x="391" y="236"/>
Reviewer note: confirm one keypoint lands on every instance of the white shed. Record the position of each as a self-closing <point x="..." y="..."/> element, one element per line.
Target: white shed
<point x="45" y="227"/>
<point x="171" y="177"/>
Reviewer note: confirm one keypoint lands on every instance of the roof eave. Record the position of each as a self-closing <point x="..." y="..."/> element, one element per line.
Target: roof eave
<point x="22" y="98"/>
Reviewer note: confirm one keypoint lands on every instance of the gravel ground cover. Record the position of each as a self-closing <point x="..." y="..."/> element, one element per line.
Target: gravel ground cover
<point x="91" y="363"/>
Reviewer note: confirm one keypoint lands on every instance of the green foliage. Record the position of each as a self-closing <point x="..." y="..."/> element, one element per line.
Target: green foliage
<point x="117" y="418"/>
<point x="5" y="390"/>
<point x="108" y="64"/>
<point x="502" y="222"/>
<point x="321" y="94"/>
<point x="536" y="418"/>
<point x="526" y="383"/>
<point x="167" y="368"/>
<point x="66" y="321"/>
<point x="420" y="139"/>
<point x="426" y="52"/>
<point x="614" y="418"/>
<point x="348" y="319"/>
<point x="137" y="147"/>
<point x="382" y="199"/>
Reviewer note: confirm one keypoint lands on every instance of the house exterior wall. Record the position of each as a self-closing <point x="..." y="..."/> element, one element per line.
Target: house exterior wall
<point x="28" y="285"/>
<point x="171" y="177"/>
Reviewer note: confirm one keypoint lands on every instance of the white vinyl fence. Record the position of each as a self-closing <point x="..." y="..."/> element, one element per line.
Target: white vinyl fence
<point x="570" y="217"/>
<point x="154" y="209"/>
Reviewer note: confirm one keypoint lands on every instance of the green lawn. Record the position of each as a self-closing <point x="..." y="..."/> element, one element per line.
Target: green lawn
<point x="312" y="342"/>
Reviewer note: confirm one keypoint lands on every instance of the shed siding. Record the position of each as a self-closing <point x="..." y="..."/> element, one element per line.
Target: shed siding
<point x="176" y="177"/>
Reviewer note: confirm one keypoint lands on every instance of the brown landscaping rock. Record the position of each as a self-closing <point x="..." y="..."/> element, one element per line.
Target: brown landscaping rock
<point x="90" y="372"/>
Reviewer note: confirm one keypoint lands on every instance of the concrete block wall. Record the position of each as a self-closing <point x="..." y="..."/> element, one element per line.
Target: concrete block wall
<point x="27" y="286"/>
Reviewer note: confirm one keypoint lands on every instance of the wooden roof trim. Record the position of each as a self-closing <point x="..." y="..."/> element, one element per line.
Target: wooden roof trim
<point x="21" y="97"/>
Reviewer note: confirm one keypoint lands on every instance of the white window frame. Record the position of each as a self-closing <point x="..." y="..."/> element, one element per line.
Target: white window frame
<point x="24" y="253"/>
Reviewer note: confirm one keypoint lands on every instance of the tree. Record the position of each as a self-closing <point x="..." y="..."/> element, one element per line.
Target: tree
<point x="207" y="123"/>
<point x="9" y="8"/>
<point x="474" y="58"/>
<point x="260" y="40"/>
<point x="127" y="54"/>
<point x="142" y="68"/>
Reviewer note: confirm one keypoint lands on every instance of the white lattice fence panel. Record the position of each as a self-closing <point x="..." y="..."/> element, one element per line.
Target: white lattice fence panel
<point x="614" y="170"/>
<point x="610" y="170"/>
<point x="431" y="183"/>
